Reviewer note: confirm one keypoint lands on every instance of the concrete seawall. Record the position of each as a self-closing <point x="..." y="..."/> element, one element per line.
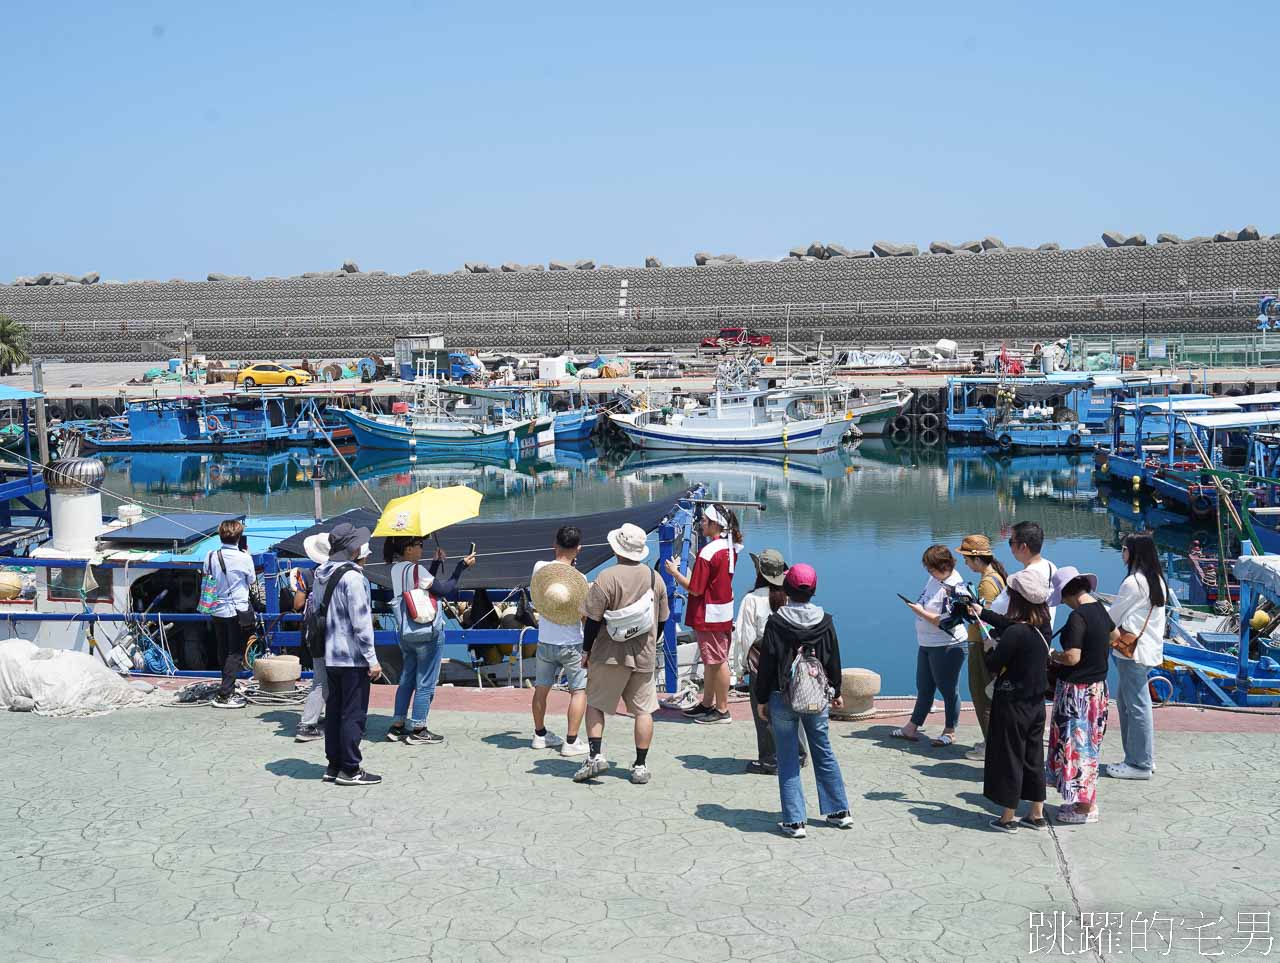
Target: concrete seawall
<point x="871" y="300"/>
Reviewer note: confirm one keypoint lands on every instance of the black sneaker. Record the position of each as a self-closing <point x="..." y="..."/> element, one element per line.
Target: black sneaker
<point x="395" y="733"/>
<point x="358" y="778"/>
<point x="308" y="734"/>
<point x="713" y="717"/>
<point x="698" y="709"/>
<point x="330" y="775"/>
<point x="229" y="702"/>
<point x="423" y="737"/>
<point x="757" y="768"/>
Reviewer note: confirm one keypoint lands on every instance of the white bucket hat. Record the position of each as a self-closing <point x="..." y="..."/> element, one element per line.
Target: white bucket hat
<point x="629" y="542"/>
<point x="317" y="547"/>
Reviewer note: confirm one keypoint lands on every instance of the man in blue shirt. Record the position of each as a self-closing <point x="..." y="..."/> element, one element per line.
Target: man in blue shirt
<point x="233" y="619"/>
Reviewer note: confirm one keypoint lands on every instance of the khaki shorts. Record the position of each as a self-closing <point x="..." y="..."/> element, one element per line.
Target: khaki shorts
<point x="606" y="684"/>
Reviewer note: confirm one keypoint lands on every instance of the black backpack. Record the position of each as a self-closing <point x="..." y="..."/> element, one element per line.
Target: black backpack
<point x="317" y="610"/>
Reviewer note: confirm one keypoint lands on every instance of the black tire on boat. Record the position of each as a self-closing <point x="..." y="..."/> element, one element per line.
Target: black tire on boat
<point x="80" y="411"/>
<point x="1005" y="442"/>
<point x="900" y="437"/>
<point x="106" y="411"/>
<point x="930" y="422"/>
<point x="1235" y="392"/>
<point x="902" y="423"/>
<point x="1073" y="441"/>
<point x="987" y="401"/>
<point x="929" y="402"/>
<point x="930" y="438"/>
<point x="1201" y="507"/>
<point x="56" y="413"/>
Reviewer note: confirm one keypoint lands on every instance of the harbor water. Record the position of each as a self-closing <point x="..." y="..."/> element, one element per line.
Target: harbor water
<point x="861" y="516"/>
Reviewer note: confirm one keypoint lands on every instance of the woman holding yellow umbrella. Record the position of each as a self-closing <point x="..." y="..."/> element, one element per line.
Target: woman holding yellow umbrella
<point x="418" y="596"/>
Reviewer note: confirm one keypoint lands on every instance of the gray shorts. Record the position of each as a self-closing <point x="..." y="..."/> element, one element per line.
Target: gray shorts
<point x="553" y="658"/>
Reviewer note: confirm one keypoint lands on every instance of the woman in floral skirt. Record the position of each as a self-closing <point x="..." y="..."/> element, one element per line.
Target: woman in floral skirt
<point x="1079" y="698"/>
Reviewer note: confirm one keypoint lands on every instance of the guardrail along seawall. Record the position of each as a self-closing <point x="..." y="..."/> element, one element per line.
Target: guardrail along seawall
<point x="1207" y="287"/>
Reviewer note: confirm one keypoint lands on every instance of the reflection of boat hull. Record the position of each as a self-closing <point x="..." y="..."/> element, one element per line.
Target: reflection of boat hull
<point x="761" y="465"/>
<point x="448" y="437"/>
<point x="809" y="435"/>
<point x="873" y="418"/>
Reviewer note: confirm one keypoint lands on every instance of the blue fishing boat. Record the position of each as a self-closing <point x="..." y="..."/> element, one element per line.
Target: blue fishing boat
<point x="453" y="419"/>
<point x="232" y="423"/>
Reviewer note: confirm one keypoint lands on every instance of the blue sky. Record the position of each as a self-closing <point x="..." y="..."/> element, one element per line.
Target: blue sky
<point x="161" y="140"/>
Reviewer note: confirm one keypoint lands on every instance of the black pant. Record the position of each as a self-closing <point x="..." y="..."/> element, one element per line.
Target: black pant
<point x="766" y="752"/>
<point x="1014" y="766"/>
<point x="231" y="640"/>
<point x="346" y="708"/>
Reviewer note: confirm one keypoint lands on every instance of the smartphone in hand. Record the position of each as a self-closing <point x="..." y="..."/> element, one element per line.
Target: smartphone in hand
<point x="903" y="597"/>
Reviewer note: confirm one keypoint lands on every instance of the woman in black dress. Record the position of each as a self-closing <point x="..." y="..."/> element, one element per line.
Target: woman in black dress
<point x="1018" y="662"/>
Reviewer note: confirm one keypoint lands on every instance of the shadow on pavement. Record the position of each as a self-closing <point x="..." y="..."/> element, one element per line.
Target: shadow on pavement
<point x="882" y="736"/>
<point x="511" y="739"/>
<point x="566" y="767"/>
<point x="720" y="766"/>
<point x="296" y="769"/>
<point x="934" y="812"/>
<point x="744" y="820"/>
<point x="951" y="770"/>
<point x="286" y="721"/>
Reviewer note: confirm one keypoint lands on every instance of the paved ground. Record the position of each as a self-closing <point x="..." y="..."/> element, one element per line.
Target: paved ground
<point x="190" y="834"/>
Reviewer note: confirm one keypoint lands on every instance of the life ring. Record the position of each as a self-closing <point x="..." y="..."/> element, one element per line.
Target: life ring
<point x="213" y="423"/>
<point x="929" y="402"/>
<point x="1005" y="442"/>
<point x="930" y="438"/>
<point x="930" y="422"/>
<point x="1074" y="441"/>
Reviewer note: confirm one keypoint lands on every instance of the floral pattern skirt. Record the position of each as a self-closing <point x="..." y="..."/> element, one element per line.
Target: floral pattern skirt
<point x="1075" y="740"/>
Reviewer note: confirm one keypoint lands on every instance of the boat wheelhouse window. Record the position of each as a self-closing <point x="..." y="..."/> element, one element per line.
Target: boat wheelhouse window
<point x="66" y="583"/>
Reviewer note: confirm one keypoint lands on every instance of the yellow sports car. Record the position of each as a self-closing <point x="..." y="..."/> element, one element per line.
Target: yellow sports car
<point x="272" y="374"/>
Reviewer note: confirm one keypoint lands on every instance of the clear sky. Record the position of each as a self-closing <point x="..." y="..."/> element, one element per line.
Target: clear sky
<point x="161" y="140"/>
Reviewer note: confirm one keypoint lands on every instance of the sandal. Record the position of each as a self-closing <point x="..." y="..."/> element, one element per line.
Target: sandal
<point x="899" y="734"/>
<point x="943" y="740"/>
<point x="1073" y="817"/>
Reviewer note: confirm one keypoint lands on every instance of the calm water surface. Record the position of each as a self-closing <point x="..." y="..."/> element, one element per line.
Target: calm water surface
<point x="861" y="516"/>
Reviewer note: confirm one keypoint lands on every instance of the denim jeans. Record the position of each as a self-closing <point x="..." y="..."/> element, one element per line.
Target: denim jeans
<point x="938" y="668"/>
<point x="418" y="679"/>
<point x="1133" y="706"/>
<point x="319" y="691"/>
<point x="786" y="735"/>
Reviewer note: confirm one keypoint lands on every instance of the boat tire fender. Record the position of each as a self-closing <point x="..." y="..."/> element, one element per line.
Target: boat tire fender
<point x="1005" y="442"/>
<point x="1074" y="441"/>
<point x="1201" y="506"/>
<point x="56" y="412"/>
<point x="106" y="411"/>
<point x="902" y="423"/>
<point x="80" y="411"/>
<point x="930" y="422"/>
<point x="900" y="437"/>
<point x="929" y="402"/>
<point x="930" y="438"/>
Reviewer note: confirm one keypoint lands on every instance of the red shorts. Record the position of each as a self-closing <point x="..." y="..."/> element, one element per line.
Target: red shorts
<point x="713" y="646"/>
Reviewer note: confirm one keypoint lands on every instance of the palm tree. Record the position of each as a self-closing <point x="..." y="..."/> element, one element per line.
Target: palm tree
<point x="13" y="345"/>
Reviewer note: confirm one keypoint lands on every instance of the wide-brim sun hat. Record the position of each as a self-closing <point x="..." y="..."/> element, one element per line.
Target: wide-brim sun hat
<point x="975" y="545"/>
<point x="629" y="542"/>
<point x="1031" y="584"/>
<point x="346" y="541"/>
<point x="771" y="565"/>
<point x="316" y="547"/>
<point x="558" y="591"/>
<point x="1063" y="576"/>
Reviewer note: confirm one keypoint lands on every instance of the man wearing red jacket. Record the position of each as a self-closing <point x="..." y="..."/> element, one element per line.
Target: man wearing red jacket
<point x="710" y="612"/>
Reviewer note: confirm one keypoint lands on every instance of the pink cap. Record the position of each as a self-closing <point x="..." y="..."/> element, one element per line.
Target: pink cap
<point x="802" y="578"/>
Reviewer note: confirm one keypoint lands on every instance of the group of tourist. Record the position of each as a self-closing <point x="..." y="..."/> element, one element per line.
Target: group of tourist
<point x="602" y="639"/>
<point x="1012" y="671"/>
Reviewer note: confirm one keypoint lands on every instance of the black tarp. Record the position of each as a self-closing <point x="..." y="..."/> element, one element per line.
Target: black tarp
<point x="505" y="551"/>
<point x="180" y="528"/>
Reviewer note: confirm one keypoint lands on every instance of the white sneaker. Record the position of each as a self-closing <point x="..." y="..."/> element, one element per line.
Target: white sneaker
<point x="1122" y="770"/>
<point x="579" y="747"/>
<point x="549" y="741"/>
<point x="978" y="753"/>
<point x="794" y="830"/>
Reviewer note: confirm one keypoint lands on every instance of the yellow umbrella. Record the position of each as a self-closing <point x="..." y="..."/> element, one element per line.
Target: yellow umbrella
<point x="427" y="511"/>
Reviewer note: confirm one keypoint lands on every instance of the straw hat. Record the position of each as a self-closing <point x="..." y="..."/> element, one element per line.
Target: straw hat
<point x="975" y="545"/>
<point x="629" y="542"/>
<point x="317" y="547"/>
<point x="558" y="592"/>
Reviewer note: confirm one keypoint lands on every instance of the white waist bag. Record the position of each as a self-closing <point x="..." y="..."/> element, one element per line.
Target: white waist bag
<point x="632" y="620"/>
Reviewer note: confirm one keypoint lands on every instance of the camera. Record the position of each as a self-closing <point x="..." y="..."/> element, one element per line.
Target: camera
<point x="959" y="599"/>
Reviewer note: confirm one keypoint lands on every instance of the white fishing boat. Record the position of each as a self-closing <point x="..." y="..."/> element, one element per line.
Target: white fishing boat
<point x="747" y="413"/>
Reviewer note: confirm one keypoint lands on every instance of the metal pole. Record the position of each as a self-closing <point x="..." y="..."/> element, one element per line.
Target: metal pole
<point x="316" y="498"/>
<point x="42" y="428"/>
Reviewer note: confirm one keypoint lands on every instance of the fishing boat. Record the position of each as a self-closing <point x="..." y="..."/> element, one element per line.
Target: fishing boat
<point x="244" y="422"/>
<point x="453" y="419"/>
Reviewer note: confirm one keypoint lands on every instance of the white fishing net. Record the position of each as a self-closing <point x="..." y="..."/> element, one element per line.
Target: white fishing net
<point x="56" y="682"/>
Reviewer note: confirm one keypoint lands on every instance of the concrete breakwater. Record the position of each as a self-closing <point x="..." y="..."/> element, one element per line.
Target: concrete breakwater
<point x="1204" y="287"/>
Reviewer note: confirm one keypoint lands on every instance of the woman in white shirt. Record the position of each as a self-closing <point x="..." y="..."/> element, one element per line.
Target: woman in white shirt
<point x="1139" y="609"/>
<point x="941" y="655"/>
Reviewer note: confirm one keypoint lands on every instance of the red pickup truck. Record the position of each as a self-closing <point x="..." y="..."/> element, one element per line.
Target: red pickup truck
<point x="737" y="337"/>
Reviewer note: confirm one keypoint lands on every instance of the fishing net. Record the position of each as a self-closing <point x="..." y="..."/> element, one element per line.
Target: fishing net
<point x="57" y="682"/>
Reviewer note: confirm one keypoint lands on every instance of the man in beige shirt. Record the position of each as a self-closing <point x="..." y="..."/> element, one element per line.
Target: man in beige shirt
<point x="625" y="610"/>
